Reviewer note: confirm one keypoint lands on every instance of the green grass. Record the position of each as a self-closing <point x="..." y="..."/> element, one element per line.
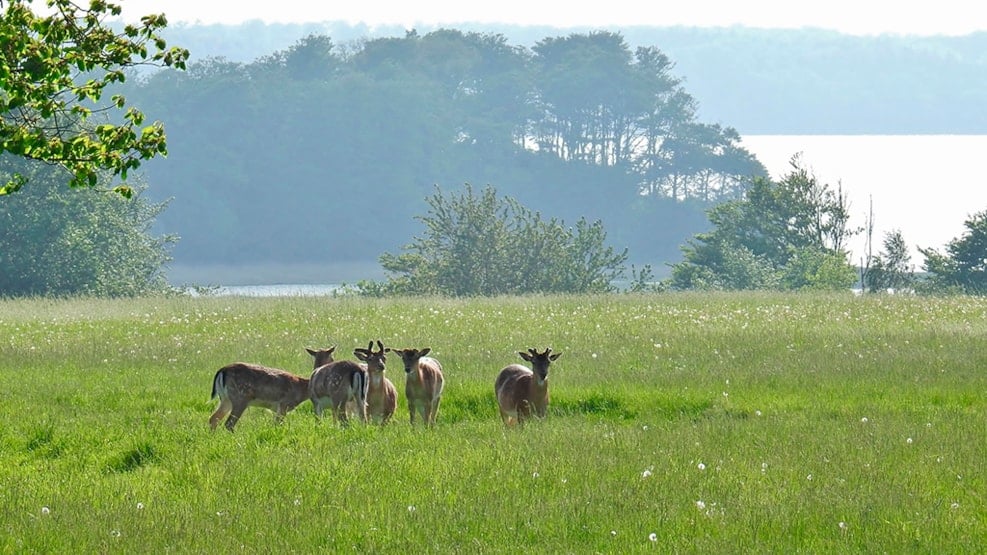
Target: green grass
<point x="728" y="423"/>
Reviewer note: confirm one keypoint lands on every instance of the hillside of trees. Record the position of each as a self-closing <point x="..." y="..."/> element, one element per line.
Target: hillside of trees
<point x="324" y="154"/>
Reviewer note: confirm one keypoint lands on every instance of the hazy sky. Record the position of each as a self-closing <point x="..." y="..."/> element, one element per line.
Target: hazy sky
<point x="926" y="17"/>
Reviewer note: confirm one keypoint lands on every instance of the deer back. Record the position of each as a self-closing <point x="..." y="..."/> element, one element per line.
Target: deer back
<point x="253" y="384"/>
<point x="339" y="381"/>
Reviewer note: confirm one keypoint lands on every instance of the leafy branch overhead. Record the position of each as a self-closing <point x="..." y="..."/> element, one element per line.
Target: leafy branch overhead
<point x="54" y="70"/>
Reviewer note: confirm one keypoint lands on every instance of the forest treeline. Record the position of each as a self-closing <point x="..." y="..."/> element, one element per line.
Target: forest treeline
<point x="758" y="81"/>
<point x="324" y="152"/>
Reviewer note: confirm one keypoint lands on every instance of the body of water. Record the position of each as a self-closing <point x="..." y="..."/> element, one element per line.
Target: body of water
<point x="273" y="290"/>
<point x="925" y="186"/>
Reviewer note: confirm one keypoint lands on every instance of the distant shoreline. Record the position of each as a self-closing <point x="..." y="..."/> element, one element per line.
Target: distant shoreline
<point x="272" y="274"/>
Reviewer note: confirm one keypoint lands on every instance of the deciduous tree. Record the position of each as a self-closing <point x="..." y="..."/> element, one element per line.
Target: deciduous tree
<point x="54" y="69"/>
<point x="56" y="241"/>
<point x="964" y="264"/>
<point x="891" y="269"/>
<point x="788" y="234"/>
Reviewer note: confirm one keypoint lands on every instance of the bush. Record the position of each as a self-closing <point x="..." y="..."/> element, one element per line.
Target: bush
<point x="489" y="245"/>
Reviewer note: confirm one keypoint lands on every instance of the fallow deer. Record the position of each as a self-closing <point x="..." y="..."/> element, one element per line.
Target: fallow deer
<point x="522" y="391"/>
<point x="338" y="384"/>
<point x="382" y="397"/>
<point x="423" y="384"/>
<point x="240" y="385"/>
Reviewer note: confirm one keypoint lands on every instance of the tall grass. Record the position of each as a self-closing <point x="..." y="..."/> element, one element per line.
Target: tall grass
<point x="679" y="423"/>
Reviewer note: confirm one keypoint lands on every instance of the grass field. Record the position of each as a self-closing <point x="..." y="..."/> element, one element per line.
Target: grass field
<point x="728" y="423"/>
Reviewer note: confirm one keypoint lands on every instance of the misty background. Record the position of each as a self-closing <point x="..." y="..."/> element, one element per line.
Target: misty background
<point x="277" y="177"/>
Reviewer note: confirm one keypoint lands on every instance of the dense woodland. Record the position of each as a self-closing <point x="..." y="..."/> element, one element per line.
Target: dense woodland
<point x="319" y="143"/>
<point x="325" y="153"/>
<point x="758" y="81"/>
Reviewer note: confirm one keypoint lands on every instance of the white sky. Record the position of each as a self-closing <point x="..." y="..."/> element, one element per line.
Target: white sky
<point x="925" y="17"/>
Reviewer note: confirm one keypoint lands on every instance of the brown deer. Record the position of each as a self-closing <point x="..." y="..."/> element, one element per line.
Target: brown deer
<point x="521" y="390"/>
<point x="423" y="384"/>
<point x="240" y="385"/>
<point x="382" y="397"/>
<point x="341" y="384"/>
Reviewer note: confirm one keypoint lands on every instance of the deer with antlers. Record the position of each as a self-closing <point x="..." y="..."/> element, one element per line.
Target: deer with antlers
<point x="240" y="385"/>
<point x="522" y="391"/>
<point x="423" y="384"/>
<point x="382" y="396"/>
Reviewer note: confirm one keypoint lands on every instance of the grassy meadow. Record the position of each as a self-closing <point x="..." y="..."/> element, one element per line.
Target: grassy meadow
<point x="726" y="423"/>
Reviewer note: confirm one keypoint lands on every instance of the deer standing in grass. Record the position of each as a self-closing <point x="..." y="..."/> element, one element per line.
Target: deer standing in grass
<point x="338" y="384"/>
<point x="240" y="385"/>
<point x="423" y="384"/>
<point x="521" y="390"/>
<point x="382" y="397"/>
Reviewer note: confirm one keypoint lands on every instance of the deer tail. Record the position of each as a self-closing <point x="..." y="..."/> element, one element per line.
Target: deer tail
<point x="219" y="384"/>
<point x="361" y="386"/>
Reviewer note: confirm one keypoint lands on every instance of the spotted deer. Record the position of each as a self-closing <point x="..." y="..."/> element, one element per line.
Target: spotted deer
<point x="423" y="384"/>
<point x="341" y="385"/>
<point x="240" y="385"/>
<point x="522" y="391"/>
<point x="382" y="397"/>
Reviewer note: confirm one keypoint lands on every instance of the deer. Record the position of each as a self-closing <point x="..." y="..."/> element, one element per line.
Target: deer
<point x="382" y="396"/>
<point x="340" y="384"/>
<point x="522" y="391"/>
<point x="423" y="384"/>
<point x="240" y="385"/>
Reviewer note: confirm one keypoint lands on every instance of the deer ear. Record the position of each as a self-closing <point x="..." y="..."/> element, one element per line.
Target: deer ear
<point x="525" y="356"/>
<point x="555" y="356"/>
<point x="425" y="351"/>
<point x="310" y="351"/>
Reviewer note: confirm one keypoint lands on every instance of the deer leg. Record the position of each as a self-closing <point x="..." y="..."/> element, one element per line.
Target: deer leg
<point x="224" y="408"/>
<point x="339" y="412"/>
<point x="235" y="416"/>
<point x="506" y="417"/>
<point x="435" y="409"/>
